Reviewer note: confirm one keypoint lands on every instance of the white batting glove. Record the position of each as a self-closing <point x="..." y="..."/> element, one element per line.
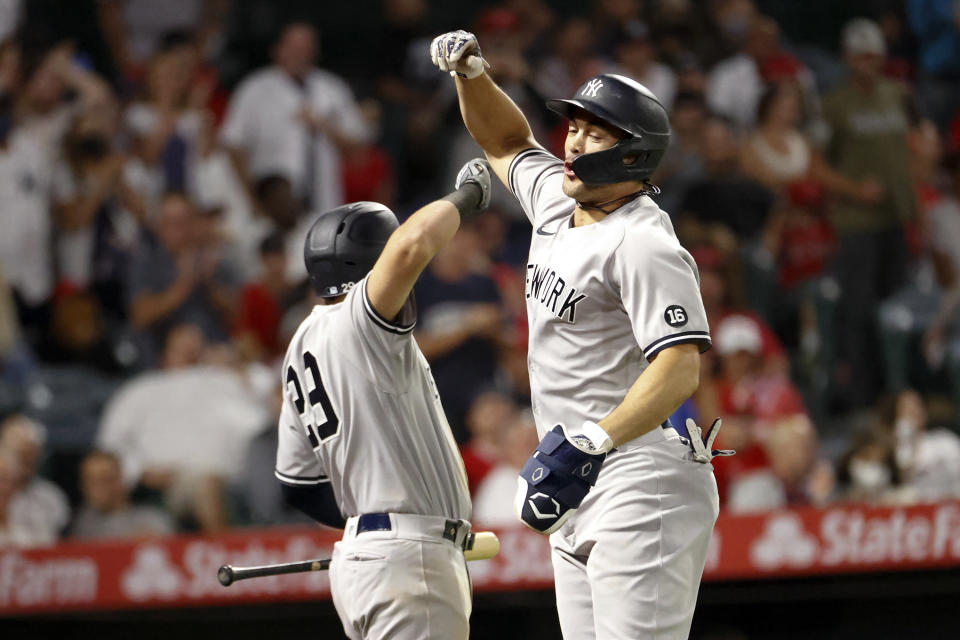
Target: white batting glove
<point x="703" y="451"/>
<point x="458" y="53"/>
<point x="478" y="172"/>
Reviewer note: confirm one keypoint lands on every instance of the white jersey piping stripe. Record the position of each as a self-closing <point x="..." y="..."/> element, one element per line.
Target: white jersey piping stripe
<point x="284" y="478"/>
<point x="382" y="322"/>
<point x="677" y="338"/>
<point x="516" y="160"/>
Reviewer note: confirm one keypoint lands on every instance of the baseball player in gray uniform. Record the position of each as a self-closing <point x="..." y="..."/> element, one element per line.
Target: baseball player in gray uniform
<point x="364" y="444"/>
<point x="616" y="330"/>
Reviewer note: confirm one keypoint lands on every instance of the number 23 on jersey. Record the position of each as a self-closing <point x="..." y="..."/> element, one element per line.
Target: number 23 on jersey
<point x="321" y="422"/>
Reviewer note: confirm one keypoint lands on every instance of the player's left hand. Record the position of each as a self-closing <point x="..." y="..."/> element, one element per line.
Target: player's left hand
<point x="558" y="476"/>
<point x="703" y="450"/>
<point x="477" y="171"/>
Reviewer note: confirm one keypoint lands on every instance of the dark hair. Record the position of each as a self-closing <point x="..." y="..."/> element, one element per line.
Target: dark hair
<point x="770" y="95"/>
<point x="951" y="163"/>
<point x="875" y="434"/>
<point x="101" y="453"/>
<point x="266" y="185"/>
<point x="174" y="40"/>
<point x="273" y="243"/>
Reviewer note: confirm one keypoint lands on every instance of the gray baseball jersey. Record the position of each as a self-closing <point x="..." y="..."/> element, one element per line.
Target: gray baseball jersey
<point x="602" y="299"/>
<point x="361" y="410"/>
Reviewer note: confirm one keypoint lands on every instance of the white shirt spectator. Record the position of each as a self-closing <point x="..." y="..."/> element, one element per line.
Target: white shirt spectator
<point x="147" y="21"/>
<point x="11" y="15"/>
<point x="493" y="502"/>
<point x="263" y="120"/>
<point x="734" y="88"/>
<point x="213" y="183"/>
<point x="25" y="178"/>
<point x="785" y="167"/>
<point x="945" y="230"/>
<point x="194" y="420"/>
<point x="935" y="473"/>
<point x="40" y="508"/>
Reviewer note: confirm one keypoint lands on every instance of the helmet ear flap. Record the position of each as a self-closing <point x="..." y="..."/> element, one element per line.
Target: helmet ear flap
<point x="611" y="165"/>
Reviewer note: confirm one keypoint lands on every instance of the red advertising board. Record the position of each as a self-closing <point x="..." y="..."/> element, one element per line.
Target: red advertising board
<point x="180" y="571"/>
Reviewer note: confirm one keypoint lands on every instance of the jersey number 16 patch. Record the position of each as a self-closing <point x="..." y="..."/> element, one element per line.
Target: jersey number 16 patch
<point x="675" y="315"/>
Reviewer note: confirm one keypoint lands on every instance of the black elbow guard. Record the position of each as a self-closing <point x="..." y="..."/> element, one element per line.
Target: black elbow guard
<point x="315" y="500"/>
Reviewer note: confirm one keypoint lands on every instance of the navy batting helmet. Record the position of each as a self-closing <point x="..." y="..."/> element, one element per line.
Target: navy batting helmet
<point x="343" y="245"/>
<point x="630" y="107"/>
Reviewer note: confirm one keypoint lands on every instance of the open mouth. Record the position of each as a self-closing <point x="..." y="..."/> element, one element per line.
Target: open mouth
<point x="568" y="170"/>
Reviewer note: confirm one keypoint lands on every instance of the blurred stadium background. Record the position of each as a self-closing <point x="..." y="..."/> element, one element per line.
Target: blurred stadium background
<point x="160" y="161"/>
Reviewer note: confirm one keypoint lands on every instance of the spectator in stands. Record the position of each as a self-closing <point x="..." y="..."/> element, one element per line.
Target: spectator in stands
<point x="724" y="199"/>
<point x="783" y="478"/>
<point x="182" y="430"/>
<point x="368" y="173"/>
<point x="136" y="29"/>
<point x="106" y="511"/>
<point x="39" y="506"/>
<point x="682" y="165"/>
<point x="12" y="534"/>
<point x="165" y="125"/>
<point x="936" y="24"/>
<point x="942" y="337"/>
<point x="179" y="280"/>
<point x="802" y="242"/>
<point x="866" y="125"/>
<point x="925" y="312"/>
<point x="16" y="362"/>
<point x="97" y="211"/>
<point x="571" y="60"/>
<point x="57" y="89"/>
<point x="25" y="189"/>
<point x="748" y="382"/>
<point x="294" y="119"/>
<point x="868" y="472"/>
<point x="459" y="325"/>
<point x="489" y="414"/>
<point x="81" y="333"/>
<point x="776" y="153"/>
<point x="286" y="215"/>
<point x="928" y="459"/>
<point x="263" y="301"/>
<point x="735" y="85"/>
<point x="637" y="57"/>
<point x="493" y="498"/>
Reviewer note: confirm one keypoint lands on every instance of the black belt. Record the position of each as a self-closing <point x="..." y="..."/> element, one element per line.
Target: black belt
<point x="381" y="522"/>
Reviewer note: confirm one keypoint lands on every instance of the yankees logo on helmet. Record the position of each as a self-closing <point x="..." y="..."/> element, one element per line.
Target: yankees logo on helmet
<point x="592" y="87"/>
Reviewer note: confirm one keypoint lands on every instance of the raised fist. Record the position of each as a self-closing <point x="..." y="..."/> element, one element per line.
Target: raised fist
<point x="458" y="53"/>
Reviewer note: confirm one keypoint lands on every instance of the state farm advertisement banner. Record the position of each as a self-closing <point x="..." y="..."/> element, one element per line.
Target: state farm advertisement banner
<point x="842" y="539"/>
<point x="181" y="571"/>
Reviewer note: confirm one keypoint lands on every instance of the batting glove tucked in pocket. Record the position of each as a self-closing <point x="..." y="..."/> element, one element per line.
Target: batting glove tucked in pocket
<point x="703" y="450"/>
<point x="556" y="479"/>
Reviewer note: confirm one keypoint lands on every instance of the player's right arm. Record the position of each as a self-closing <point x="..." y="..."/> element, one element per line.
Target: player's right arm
<point x="412" y="246"/>
<point x="491" y="117"/>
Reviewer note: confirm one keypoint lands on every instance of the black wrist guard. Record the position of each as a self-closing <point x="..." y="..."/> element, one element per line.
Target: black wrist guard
<point x="466" y="199"/>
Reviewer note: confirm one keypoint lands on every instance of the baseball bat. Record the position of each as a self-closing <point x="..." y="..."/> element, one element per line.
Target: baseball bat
<point x="479" y="546"/>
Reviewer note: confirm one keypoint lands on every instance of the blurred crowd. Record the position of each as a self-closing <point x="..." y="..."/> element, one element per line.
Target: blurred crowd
<point x="161" y="161"/>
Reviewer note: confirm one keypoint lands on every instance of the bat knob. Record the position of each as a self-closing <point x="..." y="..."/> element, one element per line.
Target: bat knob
<point x="225" y="575"/>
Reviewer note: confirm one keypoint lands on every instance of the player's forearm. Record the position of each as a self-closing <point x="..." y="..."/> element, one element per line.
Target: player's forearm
<point x="670" y="379"/>
<point x="491" y="117"/>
